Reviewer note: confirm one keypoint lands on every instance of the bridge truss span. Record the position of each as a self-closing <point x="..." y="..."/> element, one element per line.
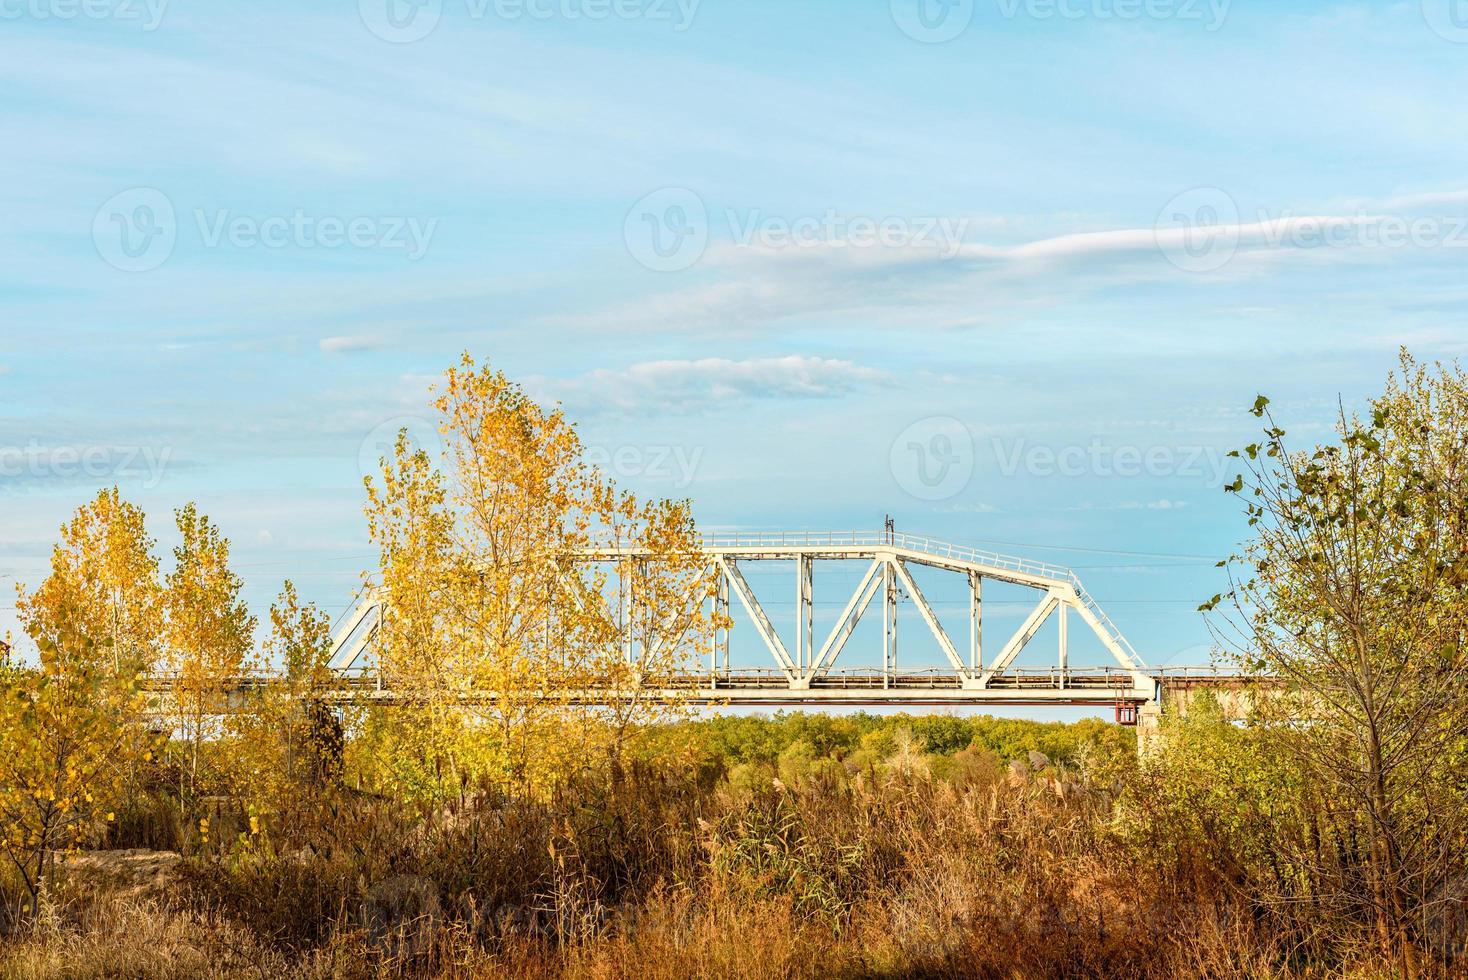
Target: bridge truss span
<point x="811" y="672"/>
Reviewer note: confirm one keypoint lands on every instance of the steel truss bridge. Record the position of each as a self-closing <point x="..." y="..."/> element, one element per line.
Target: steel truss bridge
<point x="811" y="673"/>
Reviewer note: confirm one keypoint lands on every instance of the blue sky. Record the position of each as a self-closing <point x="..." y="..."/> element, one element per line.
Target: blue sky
<point x="1009" y="270"/>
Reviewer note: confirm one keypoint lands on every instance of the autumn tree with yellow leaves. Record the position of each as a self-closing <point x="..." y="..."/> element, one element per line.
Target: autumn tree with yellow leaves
<point x="102" y="598"/>
<point x="287" y="742"/>
<point x="103" y="584"/>
<point x="209" y="633"/>
<point x="495" y="620"/>
<point x="649" y="616"/>
<point x="62" y="725"/>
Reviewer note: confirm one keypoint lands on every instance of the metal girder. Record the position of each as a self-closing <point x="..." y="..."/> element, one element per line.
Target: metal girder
<point x="931" y="618"/>
<point x="756" y="612"/>
<point x="1023" y="635"/>
<point x="346" y="647"/>
<point x="850" y="616"/>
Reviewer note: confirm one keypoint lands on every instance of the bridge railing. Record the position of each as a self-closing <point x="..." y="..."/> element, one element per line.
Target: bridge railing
<point x="879" y="539"/>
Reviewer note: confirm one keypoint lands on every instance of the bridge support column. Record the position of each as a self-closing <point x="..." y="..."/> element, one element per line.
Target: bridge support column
<point x="1149" y="728"/>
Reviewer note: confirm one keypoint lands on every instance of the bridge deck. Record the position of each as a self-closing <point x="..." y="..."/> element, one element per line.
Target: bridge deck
<point x="773" y="688"/>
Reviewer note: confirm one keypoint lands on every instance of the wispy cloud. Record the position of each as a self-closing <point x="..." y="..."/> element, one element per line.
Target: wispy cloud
<point x="347" y="345"/>
<point x="692" y="385"/>
<point x="754" y="287"/>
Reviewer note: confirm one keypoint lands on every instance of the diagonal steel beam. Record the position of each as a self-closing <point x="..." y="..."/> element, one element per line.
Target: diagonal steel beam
<point x="757" y="614"/>
<point x="931" y="618"/>
<point x="1023" y="635"/>
<point x="846" y="622"/>
<point x="1107" y="640"/>
<point x="344" y="650"/>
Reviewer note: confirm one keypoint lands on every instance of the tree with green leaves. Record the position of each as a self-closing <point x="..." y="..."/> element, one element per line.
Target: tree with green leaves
<point x="1354" y="593"/>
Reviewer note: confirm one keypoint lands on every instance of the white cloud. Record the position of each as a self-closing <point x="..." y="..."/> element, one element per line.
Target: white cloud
<point x="757" y="286"/>
<point x="688" y="385"/>
<point x="1162" y="504"/>
<point x="1429" y="199"/>
<point x="347" y="345"/>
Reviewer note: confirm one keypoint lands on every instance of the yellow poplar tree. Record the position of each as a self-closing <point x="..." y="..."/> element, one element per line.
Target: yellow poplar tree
<point x="494" y="623"/>
<point x="103" y="584"/>
<point x="288" y="744"/>
<point x="652" y="623"/>
<point x="209" y="631"/>
<point x="61" y="727"/>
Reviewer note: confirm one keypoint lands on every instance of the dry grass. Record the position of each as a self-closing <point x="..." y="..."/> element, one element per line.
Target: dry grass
<point x="665" y="875"/>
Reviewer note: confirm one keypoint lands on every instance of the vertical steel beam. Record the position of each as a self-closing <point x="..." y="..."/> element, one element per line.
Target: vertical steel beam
<point x="975" y="623"/>
<point x="629" y="621"/>
<point x="904" y="576"/>
<point x="721" y="602"/>
<point x="889" y="622"/>
<point x="1064" y="650"/>
<point x="804" y="614"/>
<point x="713" y="605"/>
